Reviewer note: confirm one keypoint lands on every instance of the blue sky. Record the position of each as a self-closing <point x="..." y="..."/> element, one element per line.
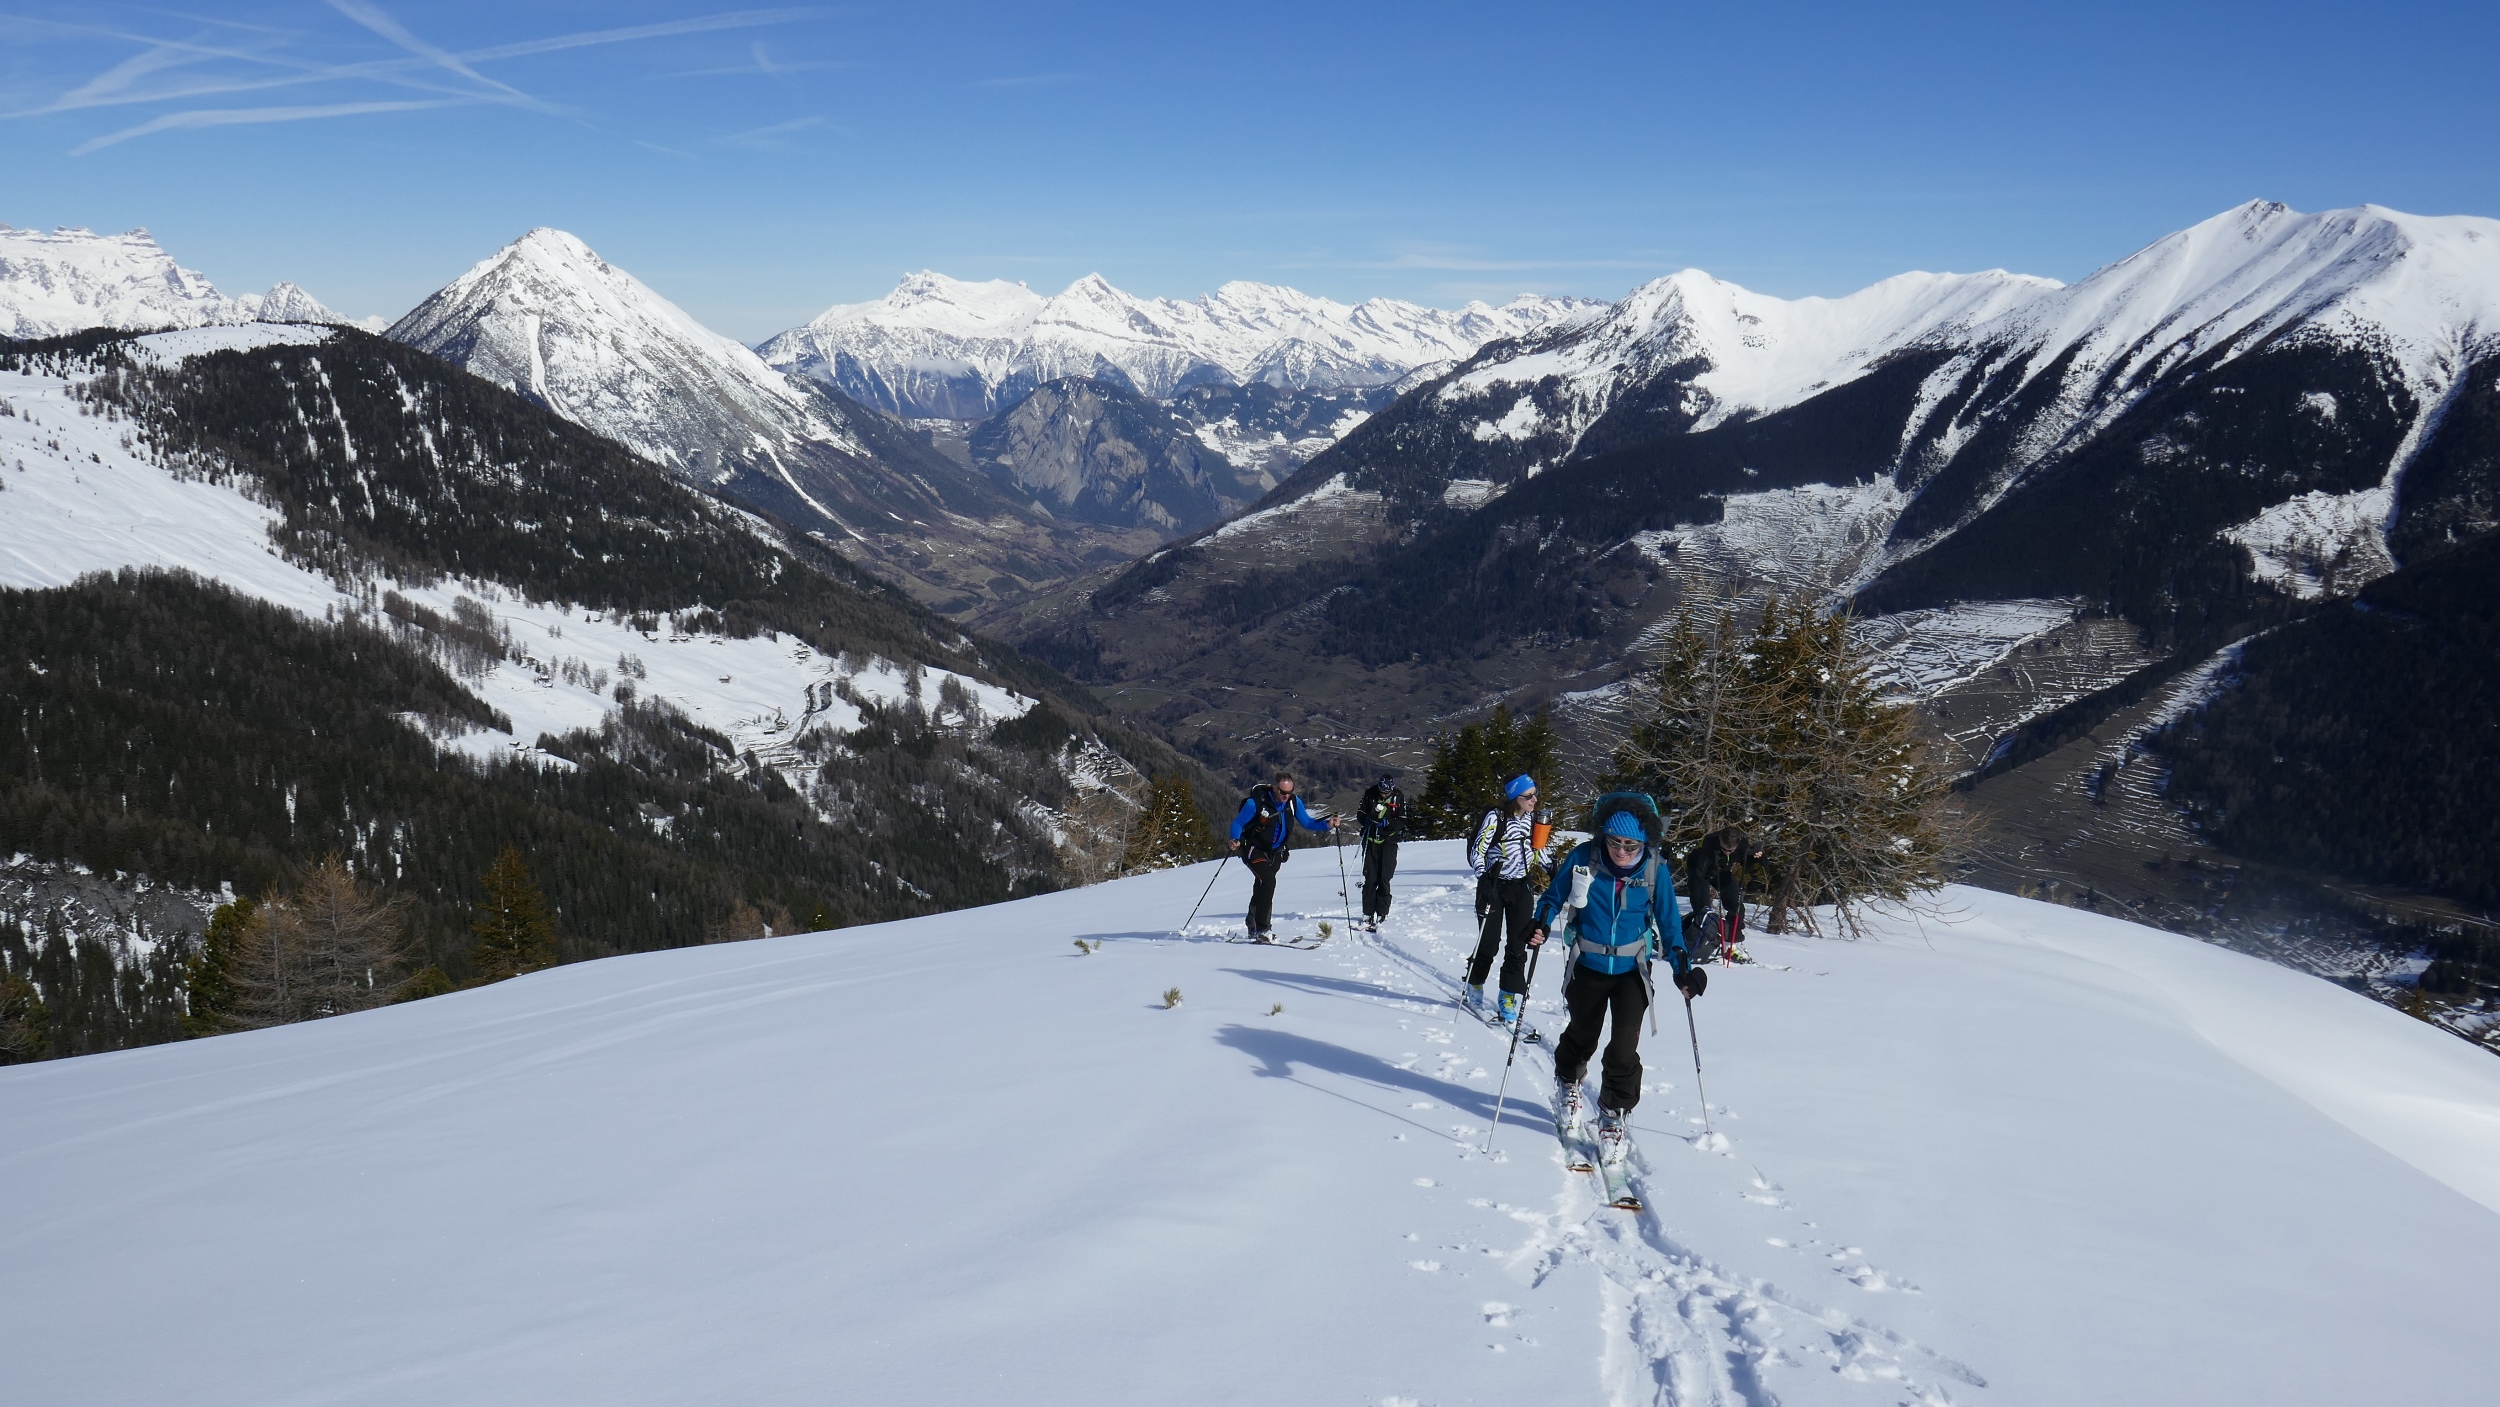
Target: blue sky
<point x="756" y="165"/>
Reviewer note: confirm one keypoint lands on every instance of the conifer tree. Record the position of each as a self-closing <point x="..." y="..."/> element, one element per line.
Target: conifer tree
<point x="332" y="946"/>
<point x="1170" y="829"/>
<point x="1783" y="732"/>
<point x="24" y="1023"/>
<point x="1470" y="766"/>
<point x="207" y="982"/>
<point x="514" y="932"/>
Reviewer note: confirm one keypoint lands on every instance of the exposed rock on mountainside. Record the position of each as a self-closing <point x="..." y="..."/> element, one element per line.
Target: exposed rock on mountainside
<point x="1097" y="452"/>
<point x="943" y="348"/>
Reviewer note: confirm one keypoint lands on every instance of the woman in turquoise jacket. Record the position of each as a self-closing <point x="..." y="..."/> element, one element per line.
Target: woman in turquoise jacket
<point x="1614" y="900"/>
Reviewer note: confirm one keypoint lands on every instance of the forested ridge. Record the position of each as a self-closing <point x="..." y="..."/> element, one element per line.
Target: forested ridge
<point x="164" y="726"/>
<point x="2364" y="739"/>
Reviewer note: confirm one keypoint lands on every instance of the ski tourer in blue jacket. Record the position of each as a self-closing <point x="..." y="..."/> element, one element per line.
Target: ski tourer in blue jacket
<point x="1614" y="902"/>
<point x="1288" y="811"/>
<point x="1629" y="915"/>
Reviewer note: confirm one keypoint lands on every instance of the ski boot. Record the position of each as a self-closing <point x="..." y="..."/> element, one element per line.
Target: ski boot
<point x="1474" y="1001"/>
<point x="1614" y="1135"/>
<point x="1567" y="1106"/>
<point x="1510" y="1008"/>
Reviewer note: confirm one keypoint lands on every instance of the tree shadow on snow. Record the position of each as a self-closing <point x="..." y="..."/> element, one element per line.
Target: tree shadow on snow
<point x="1280" y="1052"/>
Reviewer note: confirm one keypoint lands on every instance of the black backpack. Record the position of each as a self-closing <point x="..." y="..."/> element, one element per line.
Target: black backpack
<point x="1258" y="837"/>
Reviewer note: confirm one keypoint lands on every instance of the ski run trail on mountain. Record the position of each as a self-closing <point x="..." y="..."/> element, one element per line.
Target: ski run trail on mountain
<point x="2027" y="1156"/>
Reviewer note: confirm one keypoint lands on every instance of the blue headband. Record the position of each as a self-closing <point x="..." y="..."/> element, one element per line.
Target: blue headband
<point x="1519" y="786"/>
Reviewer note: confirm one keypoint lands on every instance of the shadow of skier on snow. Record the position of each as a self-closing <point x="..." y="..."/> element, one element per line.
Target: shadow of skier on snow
<point x="1279" y="1052"/>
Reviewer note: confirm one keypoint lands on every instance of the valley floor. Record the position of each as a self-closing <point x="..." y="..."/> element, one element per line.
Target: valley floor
<point x="2024" y="1155"/>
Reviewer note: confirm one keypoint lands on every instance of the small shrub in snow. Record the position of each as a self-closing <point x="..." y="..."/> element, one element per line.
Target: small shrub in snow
<point x="1171" y="997"/>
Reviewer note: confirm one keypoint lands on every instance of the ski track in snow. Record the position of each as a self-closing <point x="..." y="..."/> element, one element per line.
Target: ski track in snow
<point x="1677" y="1329"/>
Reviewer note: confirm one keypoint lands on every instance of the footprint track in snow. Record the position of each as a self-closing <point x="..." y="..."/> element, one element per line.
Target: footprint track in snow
<point x="1680" y="1329"/>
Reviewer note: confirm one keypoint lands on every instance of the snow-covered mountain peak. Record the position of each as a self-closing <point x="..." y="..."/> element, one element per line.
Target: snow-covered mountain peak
<point x="72" y="279"/>
<point x="932" y="301"/>
<point x="548" y="317"/>
<point x="288" y="302"/>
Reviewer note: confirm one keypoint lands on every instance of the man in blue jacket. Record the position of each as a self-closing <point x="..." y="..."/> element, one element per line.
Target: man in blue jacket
<point x="1614" y="899"/>
<point x="1260" y="830"/>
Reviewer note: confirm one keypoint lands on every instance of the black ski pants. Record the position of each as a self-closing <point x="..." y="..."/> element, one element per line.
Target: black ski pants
<point x="1380" y="865"/>
<point x="1592" y="997"/>
<point x="1262" y="867"/>
<point x="1502" y="903"/>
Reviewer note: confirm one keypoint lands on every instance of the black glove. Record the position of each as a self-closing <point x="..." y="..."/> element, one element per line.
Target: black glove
<point x="1693" y="981"/>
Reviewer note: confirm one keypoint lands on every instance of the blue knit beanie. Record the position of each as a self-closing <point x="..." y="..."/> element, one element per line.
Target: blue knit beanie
<point x="1626" y="825"/>
<point x="1519" y="786"/>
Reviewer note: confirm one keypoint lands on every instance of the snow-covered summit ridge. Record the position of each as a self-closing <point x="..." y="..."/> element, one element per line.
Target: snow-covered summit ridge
<point x="70" y="280"/>
<point x="997" y="334"/>
<point x="1755" y="352"/>
<point x="2423" y="288"/>
<point x="549" y="318"/>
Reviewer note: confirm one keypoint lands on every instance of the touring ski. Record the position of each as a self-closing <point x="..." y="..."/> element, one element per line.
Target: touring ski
<point x="1577" y="1155"/>
<point x="1618" y="1175"/>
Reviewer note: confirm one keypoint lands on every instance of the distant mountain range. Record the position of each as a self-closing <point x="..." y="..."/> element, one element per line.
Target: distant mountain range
<point x="1226" y="395"/>
<point x="71" y="280"/>
<point x="944" y="348"/>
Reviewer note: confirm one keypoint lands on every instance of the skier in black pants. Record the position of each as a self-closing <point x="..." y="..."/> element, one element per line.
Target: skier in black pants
<point x="1710" y="871"/>
<point x="1382" y="819"/>
<point x="1260" y="831"/>
<point x="1616" y="894"/>
<point x="1499" y="853"/>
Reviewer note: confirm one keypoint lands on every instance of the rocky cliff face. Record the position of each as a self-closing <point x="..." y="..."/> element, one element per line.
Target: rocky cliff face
<point x="1096" y="452"/>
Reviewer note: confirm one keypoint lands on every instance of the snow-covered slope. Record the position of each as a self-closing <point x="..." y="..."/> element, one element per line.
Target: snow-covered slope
<point x="2033" y="1156"/>
<point x="552" y="320"/>
<point x="942" y="347"/>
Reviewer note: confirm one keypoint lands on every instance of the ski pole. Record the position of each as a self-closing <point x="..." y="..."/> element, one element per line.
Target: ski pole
<point x="1342" y="897"/>
<point x="1697" y="1089"/>
<point x="1202" y="896"/>
<point x="1516" y="1026"/>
